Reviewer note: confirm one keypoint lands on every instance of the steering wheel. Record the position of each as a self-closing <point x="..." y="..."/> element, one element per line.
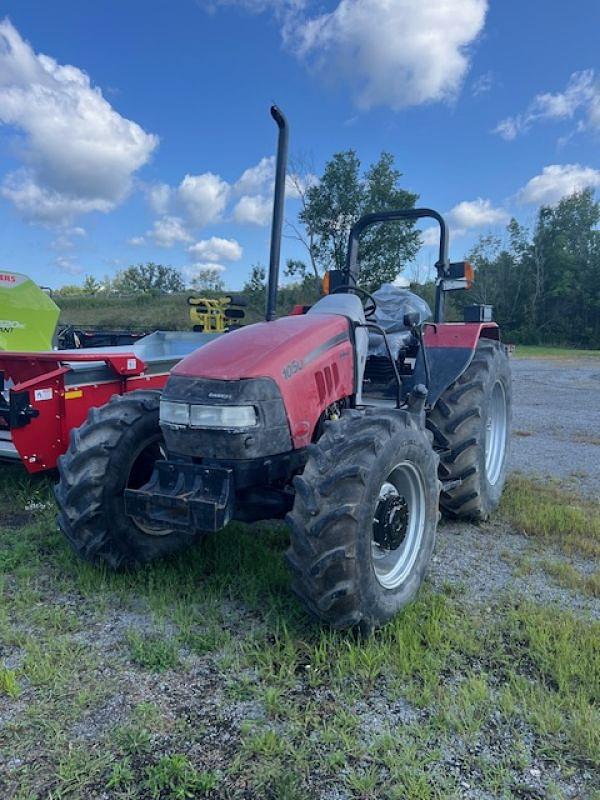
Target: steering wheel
<point x="369" y="302"/>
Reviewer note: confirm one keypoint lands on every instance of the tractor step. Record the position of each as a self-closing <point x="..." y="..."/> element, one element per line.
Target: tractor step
<point x="184" y="496"/>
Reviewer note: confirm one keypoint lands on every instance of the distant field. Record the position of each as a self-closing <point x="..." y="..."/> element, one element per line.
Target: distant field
<point x="150" y="312"/>
<point x="167" y="312"/>
<point x="544" y="351"/>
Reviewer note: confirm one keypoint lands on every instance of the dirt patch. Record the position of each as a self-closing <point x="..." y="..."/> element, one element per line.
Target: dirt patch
<point x="556" y="418"/>
<point x="485" y="562"/>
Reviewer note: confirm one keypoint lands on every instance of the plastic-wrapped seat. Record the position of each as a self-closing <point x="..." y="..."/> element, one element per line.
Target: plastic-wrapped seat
<point x="393" y="303"/>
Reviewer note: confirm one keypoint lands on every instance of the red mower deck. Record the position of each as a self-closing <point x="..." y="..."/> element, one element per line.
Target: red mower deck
<point x="43" y="396"/>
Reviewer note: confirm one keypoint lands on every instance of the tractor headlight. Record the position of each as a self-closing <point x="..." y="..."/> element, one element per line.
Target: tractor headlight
<point x="177" y="414"/>
<point x="182" y="415"/>
<point x="222" y="416"/>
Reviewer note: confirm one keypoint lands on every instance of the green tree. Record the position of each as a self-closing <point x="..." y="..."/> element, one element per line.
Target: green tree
<point x="91" y="285"/>
<point x="149" y="278"/>
<point x="544" y="283"/>
<point x="257" y="281"/>
<point x="208" y="280"/>
<point x="69" y="290"/>
<point x="330" y="208"/>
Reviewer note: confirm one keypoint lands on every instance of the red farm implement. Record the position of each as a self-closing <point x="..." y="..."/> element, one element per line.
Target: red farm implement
<point x="43" y="396"/>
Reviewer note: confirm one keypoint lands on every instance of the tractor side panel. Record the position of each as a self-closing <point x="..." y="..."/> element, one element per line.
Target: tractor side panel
<point x="310" y="384"/>
<point x="450" y="349"/>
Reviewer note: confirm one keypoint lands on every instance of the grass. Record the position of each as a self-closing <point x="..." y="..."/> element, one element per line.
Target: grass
<point x="200" y="676"/>
<point x="545" y="351"/>
<point x="571" y="578"/>
<point x="138" y="313"/>
<point x="547" y="512"/>
<point x="9" y="684"/>
<point x="176" y="777"/>
<point x="153" y="652"/>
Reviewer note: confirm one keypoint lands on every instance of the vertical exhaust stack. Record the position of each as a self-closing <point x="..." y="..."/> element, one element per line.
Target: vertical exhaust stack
<point x="278" y="210"/>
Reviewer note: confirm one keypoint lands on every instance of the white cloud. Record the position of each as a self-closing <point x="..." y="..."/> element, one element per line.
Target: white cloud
<point x="255" y="210"/>
<point x="476" y="214"/>
<point x="557" y="181"/>
<point x="431" y="236"/>
<point x="159" y="197"/>
<point x="509" y="128"/>
<point x="395" y="54"/>
<point x="216" y="249"/>
<point x="256" y="186"/>
<point x="279" y="7"/>
<point x="580" y="98"/>
<point x="257" y="179"/>
<point x="203" y="198"/>
<point x="169" y="231"/>
<point x="136" y="241"/>
<point x="68" y="265"/>
<point x="64" y="240"/>
<point x="78" y="153"/>
<point x="482" y="84"/>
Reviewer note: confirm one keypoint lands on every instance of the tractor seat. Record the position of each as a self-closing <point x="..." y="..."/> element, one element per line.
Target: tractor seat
<point x="393" y="302"/>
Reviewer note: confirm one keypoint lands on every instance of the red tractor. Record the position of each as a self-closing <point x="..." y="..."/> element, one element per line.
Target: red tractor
<point x="353" y="422"/>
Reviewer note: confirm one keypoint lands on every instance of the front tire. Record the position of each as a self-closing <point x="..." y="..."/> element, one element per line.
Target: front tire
<point x="364" y="519"/>
<point x="471" y="428"/>
<point x="115" y="448"/>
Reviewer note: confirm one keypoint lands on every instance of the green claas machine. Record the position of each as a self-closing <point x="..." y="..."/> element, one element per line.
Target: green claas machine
<point x="28" y="316"/>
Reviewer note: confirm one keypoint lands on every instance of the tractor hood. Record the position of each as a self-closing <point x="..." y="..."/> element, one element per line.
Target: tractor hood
<point x="291" y="370"/>
<point x="276" y="349"/>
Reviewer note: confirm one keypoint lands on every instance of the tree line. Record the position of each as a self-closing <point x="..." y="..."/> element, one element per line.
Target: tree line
<point x="543" y="281"/>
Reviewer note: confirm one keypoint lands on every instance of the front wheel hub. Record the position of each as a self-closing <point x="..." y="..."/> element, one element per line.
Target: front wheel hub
<point x="391" y="518"/>
<point x="398" y="525"/>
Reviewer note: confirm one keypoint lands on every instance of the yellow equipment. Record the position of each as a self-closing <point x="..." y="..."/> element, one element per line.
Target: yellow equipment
<point x="216" y="315"/>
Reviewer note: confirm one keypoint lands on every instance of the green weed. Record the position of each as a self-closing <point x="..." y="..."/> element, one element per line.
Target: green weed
<point x="153" y="652"/>
<point x="550" y="513"/>
<point x="9" y="684"/>
<point x="176" y="778"/>
<point x="571" y="578"/>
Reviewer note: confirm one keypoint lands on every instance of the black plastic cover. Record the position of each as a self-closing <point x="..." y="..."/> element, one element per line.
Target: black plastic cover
<point x="270" y="436"/>
<point x="478" y="313"/>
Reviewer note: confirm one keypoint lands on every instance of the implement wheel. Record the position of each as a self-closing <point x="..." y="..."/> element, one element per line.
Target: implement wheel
<point x="115" y="449"/>
<point x="471" y="428"/>
<point x="364" y="519"/>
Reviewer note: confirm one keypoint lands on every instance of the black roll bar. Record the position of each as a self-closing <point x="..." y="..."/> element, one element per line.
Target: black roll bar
<point x="442" y="265"/>
<point x="278" y="211"/>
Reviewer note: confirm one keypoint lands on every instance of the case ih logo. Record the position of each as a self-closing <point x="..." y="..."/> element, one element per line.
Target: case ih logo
<point x="6" y="277"/>
<point x="8" y="325"/>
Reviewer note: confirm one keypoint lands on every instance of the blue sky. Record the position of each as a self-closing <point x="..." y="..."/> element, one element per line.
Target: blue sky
<point x="139" y="131"/>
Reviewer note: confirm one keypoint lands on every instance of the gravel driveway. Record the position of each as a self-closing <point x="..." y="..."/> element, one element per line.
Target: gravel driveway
<point x="556" y="420"/>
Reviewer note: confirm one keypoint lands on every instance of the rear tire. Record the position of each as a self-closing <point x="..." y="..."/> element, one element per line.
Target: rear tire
<point x="364" y="519"/>
<point x="471" y="428"/>
<point x="115" y="448"/>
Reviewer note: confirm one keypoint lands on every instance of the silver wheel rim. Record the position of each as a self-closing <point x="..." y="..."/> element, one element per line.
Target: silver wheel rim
<point x="404" y="487"/>
<point x="495" y="434"/>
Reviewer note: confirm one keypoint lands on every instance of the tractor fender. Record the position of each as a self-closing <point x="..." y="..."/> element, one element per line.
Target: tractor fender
<point x="450" y="348"/>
